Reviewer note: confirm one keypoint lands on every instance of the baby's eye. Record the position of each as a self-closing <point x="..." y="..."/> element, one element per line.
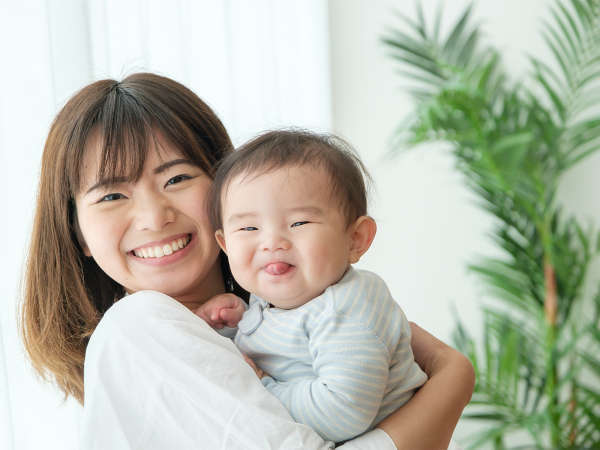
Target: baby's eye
<point x="248" y="229"/>
<point x="111" y="197"/>
<point x="178" y="179"/>
<point x="297" y="224"/>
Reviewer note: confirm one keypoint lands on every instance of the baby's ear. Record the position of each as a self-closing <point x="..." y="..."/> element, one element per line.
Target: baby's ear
<point x="362" y="233"/>
<point x="220" y="237"/>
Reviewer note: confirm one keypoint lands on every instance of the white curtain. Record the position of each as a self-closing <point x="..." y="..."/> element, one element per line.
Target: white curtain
<point x="260" y="64"/>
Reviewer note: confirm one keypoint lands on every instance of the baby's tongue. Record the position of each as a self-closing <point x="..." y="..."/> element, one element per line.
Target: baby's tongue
<point x="277" y="268"/>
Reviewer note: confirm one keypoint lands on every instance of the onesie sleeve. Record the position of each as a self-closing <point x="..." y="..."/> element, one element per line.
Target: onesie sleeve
<point x="351" y="367"/>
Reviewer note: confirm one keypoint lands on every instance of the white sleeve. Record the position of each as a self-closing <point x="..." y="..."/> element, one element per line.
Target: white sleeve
<point x="375" y="439"/>
<point x="158" y="377"/>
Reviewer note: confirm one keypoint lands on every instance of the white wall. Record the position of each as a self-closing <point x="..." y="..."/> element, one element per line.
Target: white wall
<point x="429" y="225"/>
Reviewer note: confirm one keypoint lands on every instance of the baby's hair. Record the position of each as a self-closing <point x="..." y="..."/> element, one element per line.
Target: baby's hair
<point x="296" y="148"/>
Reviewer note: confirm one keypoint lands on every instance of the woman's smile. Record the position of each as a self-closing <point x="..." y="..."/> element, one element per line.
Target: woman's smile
<point x="167" y="251"/>
<point x="164" y="247"/>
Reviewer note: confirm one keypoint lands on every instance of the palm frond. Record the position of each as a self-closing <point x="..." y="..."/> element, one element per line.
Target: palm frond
<point x="513" y="140"/>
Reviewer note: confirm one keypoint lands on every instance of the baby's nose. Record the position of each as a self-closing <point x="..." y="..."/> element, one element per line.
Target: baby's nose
<point x="276" y="241"/>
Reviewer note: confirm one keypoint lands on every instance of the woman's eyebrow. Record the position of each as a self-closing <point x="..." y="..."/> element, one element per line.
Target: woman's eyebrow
<point x="157" y="170"/>
<point x="106" y="182"/>
<point x="172" y="163"/>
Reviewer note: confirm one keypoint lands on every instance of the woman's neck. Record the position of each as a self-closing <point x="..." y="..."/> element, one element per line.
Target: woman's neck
<point x="210" y="286"/>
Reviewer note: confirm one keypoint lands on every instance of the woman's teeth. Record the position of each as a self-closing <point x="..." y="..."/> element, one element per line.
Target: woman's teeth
<point x="161" y="250"/>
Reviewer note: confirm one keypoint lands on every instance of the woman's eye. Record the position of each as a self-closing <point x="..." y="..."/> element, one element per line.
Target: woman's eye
<point x="297" y="224"/>
<point x="248" y="229"/>
<point x="111" y="197"/>
<point x="178" y="179"/>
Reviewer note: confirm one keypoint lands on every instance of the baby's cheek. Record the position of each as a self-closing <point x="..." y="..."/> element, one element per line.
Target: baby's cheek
<point x="241" y="268"/>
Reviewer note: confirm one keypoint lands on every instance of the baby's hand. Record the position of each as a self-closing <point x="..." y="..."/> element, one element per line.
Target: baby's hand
<point x="222" y="310"/>
<point x="259" y="371"/>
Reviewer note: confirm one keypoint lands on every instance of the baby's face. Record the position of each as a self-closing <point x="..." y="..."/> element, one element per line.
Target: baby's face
<point x="285" y="234"/>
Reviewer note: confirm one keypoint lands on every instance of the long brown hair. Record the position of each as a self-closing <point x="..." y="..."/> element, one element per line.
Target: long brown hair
<point x="65" y="292"/>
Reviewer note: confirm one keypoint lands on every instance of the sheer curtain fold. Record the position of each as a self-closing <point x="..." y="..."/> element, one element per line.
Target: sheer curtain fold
<point x="259" y="64"/>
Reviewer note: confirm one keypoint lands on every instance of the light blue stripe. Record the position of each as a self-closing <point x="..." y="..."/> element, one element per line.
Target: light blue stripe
<point x="355" y="339"/>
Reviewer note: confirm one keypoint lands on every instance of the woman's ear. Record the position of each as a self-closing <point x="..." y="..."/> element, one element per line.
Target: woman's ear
<point x="220" y="237"/>
<point x="362" y="233"/>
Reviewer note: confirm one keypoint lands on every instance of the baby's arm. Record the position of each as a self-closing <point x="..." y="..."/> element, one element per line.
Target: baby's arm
<point x="351" y="371"/>
<point x="222" y="310"/>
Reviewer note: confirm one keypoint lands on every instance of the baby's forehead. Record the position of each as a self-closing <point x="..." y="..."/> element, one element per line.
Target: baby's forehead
<point x="302" y="179"/>
<point x="288" y="189"/>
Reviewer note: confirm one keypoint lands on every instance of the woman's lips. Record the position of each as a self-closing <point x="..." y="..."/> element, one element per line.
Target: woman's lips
<point x="277" y="268"/>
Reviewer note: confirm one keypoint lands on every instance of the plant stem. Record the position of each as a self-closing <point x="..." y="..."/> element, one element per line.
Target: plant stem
<point x="550" y="309"/>
<point x="550" y="301"/>
<point x="572" y="407"/>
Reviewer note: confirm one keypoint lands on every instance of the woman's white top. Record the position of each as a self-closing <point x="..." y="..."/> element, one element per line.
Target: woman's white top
<point x="157" y="376"/>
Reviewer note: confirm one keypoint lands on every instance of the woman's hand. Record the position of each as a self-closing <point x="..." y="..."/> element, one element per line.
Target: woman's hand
<point x="428" y="419"/>
<point x="222" y="310"/>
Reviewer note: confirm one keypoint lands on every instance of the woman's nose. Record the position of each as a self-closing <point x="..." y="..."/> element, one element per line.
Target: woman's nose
<point x="153" y="212"/>
<point x="276" y="241"/>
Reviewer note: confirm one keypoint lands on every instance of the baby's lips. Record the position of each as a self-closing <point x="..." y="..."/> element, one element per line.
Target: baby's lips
<point x="277" y="268"/>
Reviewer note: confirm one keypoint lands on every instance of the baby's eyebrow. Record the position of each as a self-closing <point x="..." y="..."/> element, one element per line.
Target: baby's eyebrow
<point x="241" y="216"/>
<point x="306" y="209"/>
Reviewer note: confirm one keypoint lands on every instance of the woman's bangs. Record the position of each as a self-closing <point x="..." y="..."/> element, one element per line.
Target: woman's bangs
<point x="124" y="136"/>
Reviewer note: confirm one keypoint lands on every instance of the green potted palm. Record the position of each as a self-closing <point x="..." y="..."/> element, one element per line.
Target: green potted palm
<point x="538" y="362"/>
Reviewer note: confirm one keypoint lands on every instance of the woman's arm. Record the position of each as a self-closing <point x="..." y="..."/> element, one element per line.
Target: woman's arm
<point x="428" y="419"/>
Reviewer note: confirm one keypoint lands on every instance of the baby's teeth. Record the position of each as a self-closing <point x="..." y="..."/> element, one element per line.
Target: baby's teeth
<point x="144" y="253"/>
<point x="150" y="252"/>
<point x="180" y="243"/>
<point x="174" y="246"/>
<point x="158" y="252"/>
<point x="167" y="250"/>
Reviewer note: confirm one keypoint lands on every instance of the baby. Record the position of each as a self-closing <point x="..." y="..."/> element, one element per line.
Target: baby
<point x="290" y="211"/>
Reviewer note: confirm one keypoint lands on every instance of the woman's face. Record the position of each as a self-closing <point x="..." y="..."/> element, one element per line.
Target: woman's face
<point x="154" y="233"/>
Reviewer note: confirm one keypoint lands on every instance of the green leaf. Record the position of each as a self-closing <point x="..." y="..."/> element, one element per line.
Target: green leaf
<point x="566" y="33"/>
<point x="559" y="57"/>
<point x="457" y="31"/>
<point x="552" y="94"/>
<point x="438" y="21"/>
<point x="574" y="28"/>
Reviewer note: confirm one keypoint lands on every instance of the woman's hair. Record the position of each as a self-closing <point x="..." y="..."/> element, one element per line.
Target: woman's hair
<point x="65" y="292"/>
<point x="278" y="149"/>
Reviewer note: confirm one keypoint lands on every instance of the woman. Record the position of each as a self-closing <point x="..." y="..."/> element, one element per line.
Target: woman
<point x="125" y="172"/>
